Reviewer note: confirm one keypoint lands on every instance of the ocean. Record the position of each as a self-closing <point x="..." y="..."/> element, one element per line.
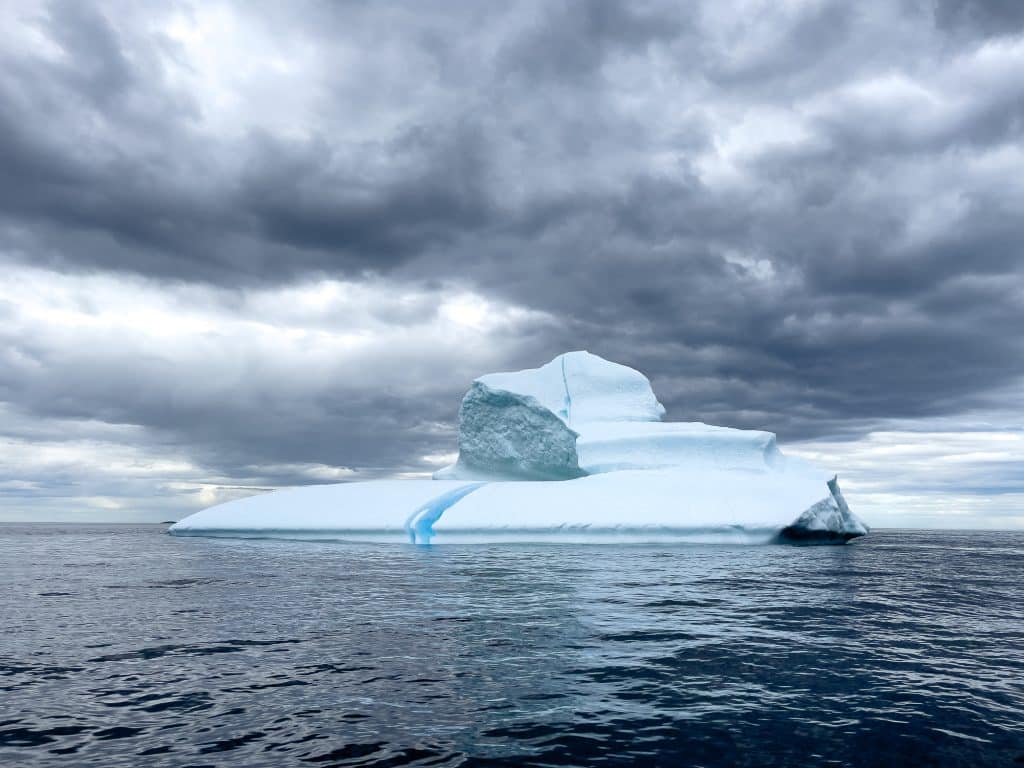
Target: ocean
<point x="122" y="646"/>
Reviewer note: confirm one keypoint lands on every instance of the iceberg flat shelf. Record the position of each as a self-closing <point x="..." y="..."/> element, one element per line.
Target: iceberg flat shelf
<point x="626" y="506"/>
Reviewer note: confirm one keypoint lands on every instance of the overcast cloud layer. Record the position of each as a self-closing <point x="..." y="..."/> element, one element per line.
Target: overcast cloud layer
<point x="253" y="244"/>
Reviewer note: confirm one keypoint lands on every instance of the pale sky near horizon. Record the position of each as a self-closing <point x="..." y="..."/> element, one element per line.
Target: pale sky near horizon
<point x="255" y="244"/>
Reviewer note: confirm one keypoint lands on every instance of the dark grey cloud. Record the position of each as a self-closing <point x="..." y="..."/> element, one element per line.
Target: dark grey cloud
<point x="304" y="197"/>
<point x="988" y="17"/>
<point x="804" y="217"/>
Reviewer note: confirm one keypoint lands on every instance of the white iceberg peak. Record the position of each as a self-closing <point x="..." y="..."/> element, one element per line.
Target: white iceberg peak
<point x="525" y="424"/>
<point x="579" y="387"/>
<point x="583" y="415"/>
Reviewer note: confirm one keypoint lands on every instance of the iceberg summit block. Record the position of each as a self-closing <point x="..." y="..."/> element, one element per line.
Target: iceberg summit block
<point x="573" y="451"/>
<point x="528" y="424"/>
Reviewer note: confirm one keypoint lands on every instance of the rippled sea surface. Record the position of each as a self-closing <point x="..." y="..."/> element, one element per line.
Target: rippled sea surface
<point x="120" y="645"/>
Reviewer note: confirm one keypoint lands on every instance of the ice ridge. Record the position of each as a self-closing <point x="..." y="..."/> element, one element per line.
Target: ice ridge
<point x="828" y="520"/>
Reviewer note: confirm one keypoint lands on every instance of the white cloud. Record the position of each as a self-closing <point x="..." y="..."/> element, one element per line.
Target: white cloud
<point x="131" y="347"/>
<point x="603" y="154"/>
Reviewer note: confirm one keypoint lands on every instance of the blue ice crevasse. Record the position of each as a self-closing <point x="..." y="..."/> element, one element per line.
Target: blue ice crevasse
<point x="420" y="524"/>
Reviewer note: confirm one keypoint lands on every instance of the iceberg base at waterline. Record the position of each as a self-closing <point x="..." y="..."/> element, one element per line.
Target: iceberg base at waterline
<point x="621" y="507"/>
<point x="573" y="451"/>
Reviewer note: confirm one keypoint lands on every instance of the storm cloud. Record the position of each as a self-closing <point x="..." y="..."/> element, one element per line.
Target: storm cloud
<point x="254" y="244"/>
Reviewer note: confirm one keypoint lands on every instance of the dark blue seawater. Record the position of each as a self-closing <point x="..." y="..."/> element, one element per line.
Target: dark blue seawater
<point x="120" y="645"/>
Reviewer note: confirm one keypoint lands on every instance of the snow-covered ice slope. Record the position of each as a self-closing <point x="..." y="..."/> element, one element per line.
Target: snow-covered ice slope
<point x="573" y="450"/>
<point x="644" y="505"/>
<point x="378" y="509"/>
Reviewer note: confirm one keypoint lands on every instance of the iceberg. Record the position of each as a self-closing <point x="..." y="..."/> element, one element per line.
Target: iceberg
<point x="573" y="451"/>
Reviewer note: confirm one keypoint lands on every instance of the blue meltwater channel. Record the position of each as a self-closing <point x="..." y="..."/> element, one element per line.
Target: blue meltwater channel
<point x="420" y="524"/>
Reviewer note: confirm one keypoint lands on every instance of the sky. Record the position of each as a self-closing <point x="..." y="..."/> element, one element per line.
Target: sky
<point x="253" y="244"/>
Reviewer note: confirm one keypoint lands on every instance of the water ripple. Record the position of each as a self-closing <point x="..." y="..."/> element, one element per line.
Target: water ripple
<point x="122" y="646"/>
